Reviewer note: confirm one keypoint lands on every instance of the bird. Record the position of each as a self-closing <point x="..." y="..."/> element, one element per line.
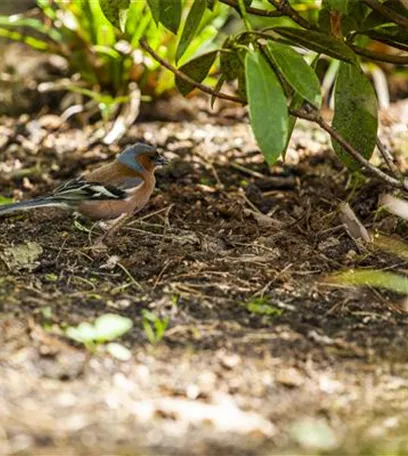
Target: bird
<point x="113" y="191"/>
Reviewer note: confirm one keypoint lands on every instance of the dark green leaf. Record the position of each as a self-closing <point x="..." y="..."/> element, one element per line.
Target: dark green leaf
<point x="231" y="65"/>
<point x="375" y="18"/>
<point x="197" y="69"/>
<point x="319" y="42"/>
<point x="355" y="115"/>
<point x="170" y="14"/>
<point x="297" y="72"/>
<point x="211" y="4"/>
<point x="341" y="6"/>
<point x="324" y="18"/>
<point x="242" y="86"/>
<point x="154" y="6"/>
<point x="356" y="12"/>
<point x="191" y="25"/>
<point x="230" y="62"/>
<point x="267" y="106"/>
<point x="217" y="89"/>
<point x="391" y="35"/>
<point x="115" y="11"/>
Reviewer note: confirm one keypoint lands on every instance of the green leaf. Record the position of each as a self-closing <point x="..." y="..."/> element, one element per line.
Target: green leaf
<point x="217" y="89"/>
<point x="16" y="20"/>
<point x="341" y="6"/>
<point x="154" y="6"/>
<point x="372" y="278"/>
<point x="111" y="326"/>
<point x="318" y="42"/>
<point x="5" y="200"/>
<point x="297" y="72"/>
<point x="23" y="38"/>
<point x="267" y="106"/>
<point x="231" y="60"/>
<point x="355" y="114"/>
<point x="375" y="18"/>
<point x="115" y="11"/>
<point x="296" y="103"/>
<point x="191" y="25"/>
<point x="119" y="351"/>
<point x="197" y="69"/>
<point x="170" y="14"/>
<point x="211" y="4"/>
<point x="390" y="35"/>
<point x="84" y="332"/>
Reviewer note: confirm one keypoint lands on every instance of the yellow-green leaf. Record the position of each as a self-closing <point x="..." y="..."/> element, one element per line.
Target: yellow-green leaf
<point x="372" y="278"/>
<point x="190" y="27"/>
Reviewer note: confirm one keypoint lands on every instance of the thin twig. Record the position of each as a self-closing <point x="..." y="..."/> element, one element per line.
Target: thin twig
<point x="387" y="12"/>
<point x="285" y="8"/>
<point x="181" y="75"/>
<point x="251" y="10"/>
<point x="388" y="158"/>
<point x="317" y="118"/>
<point x="396" y="59"/>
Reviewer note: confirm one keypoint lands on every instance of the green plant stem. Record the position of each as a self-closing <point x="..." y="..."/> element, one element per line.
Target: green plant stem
<point x="181" y="75"/>
<point x="314" y="116"/>
<point x="387" y="12"/>
<point x="396" y="59"/>
<point x="244" y="15"/>
<point x="285" y="8"/>
<point x="251" y="10"/>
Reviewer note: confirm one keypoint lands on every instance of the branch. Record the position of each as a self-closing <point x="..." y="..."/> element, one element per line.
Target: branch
<point x="254" y="11"/>
<point x="181" y="75"/>
<point x="396" y="59"/>
<point x="317" y="118"/>
<point x="387" y="12"/>
<point x="284" y="7"/>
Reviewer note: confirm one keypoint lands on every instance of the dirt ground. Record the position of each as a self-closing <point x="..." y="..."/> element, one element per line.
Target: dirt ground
<point x="261" y="356"/>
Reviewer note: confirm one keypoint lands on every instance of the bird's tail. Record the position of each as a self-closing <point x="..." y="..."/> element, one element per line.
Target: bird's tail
<point x="30" y="204"/>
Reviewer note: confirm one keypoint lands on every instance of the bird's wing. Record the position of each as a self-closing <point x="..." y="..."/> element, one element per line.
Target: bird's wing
<point x="80" y="189"/>
<point x="131" y="183"/>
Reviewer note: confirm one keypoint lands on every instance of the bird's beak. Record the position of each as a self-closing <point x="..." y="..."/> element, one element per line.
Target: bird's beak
<point x="161" y="161"/>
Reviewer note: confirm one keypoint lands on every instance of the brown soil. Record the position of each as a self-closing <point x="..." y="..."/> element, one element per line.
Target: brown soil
<point x="326" y="371"/>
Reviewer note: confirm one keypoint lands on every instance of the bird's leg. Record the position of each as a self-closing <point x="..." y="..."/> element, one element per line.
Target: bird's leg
<point x="116" y="225"/>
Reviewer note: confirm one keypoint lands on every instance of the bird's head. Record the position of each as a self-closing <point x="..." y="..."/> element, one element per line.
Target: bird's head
<point x="141" y="158"/>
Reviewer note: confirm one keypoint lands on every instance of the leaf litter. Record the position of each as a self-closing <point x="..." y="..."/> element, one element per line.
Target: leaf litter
<point x="260" y="356"/>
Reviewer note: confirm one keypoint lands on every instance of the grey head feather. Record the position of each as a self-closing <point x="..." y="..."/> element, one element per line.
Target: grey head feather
<point x="129" y="155"/>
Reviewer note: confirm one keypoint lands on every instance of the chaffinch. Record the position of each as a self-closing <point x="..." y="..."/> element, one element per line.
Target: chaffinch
<point x="120" y="188"/>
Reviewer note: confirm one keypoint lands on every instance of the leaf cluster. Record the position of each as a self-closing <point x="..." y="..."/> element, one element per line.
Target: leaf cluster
<point x="273" y="62"/>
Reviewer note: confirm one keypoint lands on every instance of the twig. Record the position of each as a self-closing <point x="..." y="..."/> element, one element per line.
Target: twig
<point x="387" y="12"/>
<point x="251" y="10"/>
<point x="284" y="7"/>
<point x="181" y="75"/>
<point x="397" y="59"/>
<point x="317" y="118"/>
<point x="388" y="158"/>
